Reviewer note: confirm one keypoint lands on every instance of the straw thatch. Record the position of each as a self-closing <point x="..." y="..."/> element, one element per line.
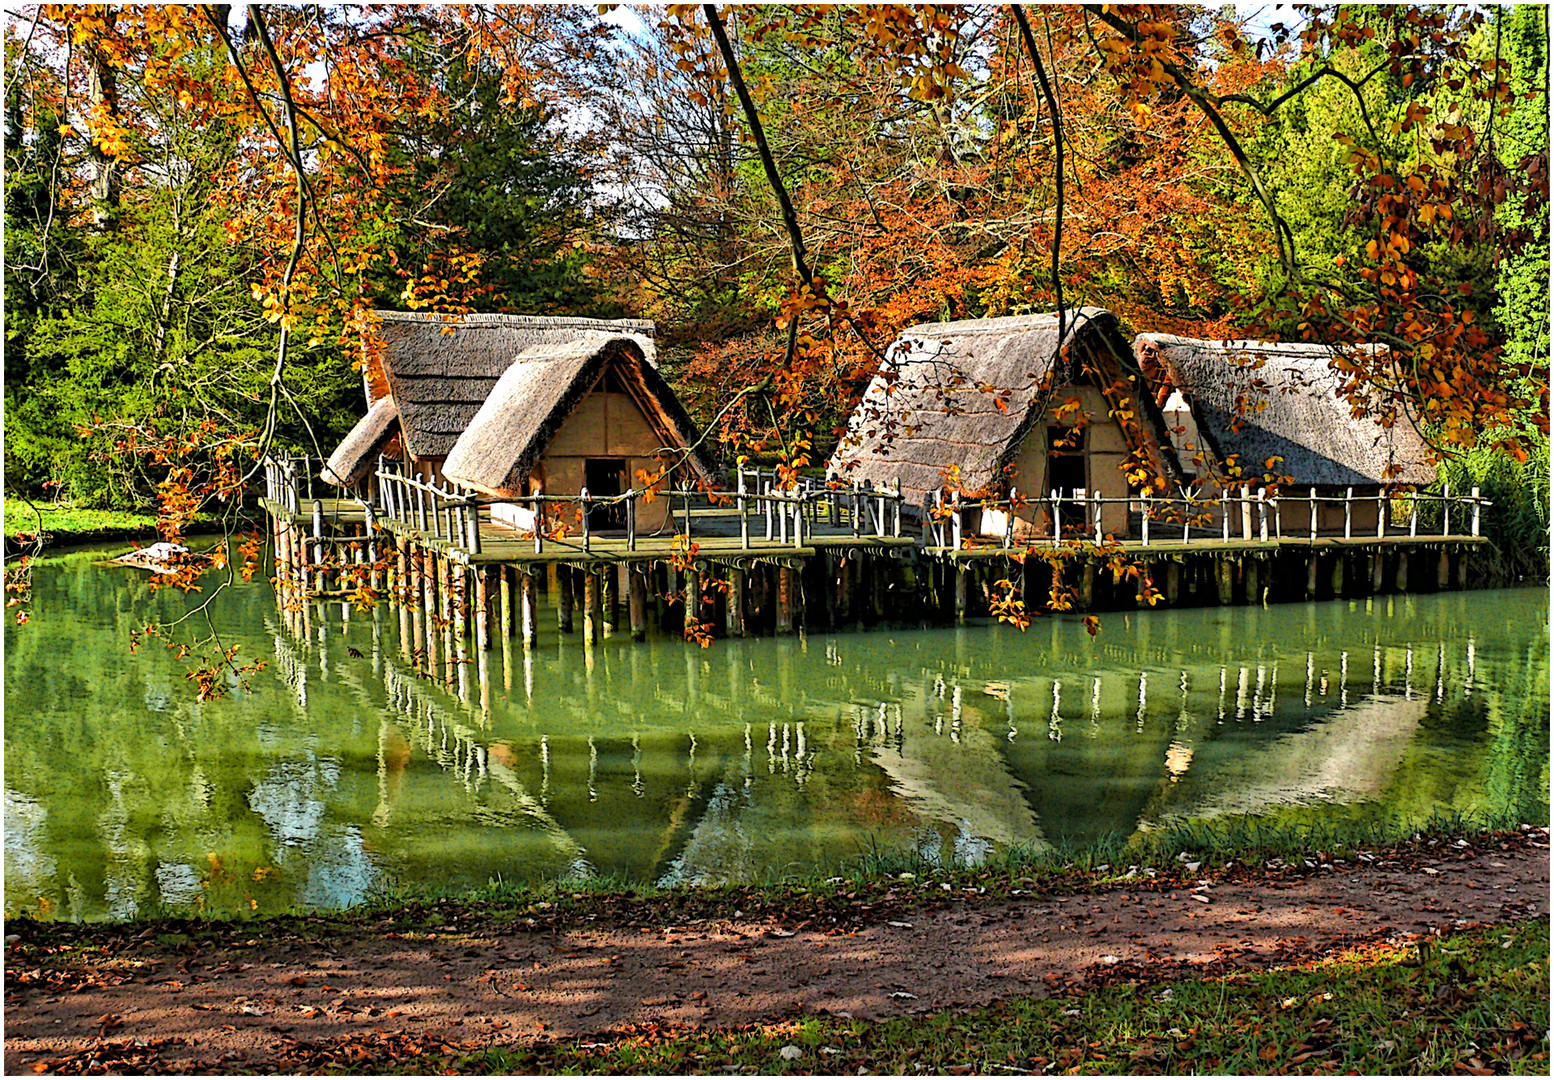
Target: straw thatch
<point x="936" y="402"/>
<point x="509" y="433"/>
<point x="356" y="455"/>
<point x="1260" y="400"/>
<point x="441" y="369"/>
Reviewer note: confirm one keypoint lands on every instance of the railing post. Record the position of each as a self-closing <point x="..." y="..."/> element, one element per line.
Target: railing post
<point x="474" y="526"/>
<point x="744" y="520"/>
<point x="539" y="524"/>
<point x="895" y="514"/>
<point x="1100" y="511"/>
<point x="1224" y="508"/>
<point x="1382" y="510"/>
<point x="957" y="526"/>
<point x="420" y="508"/>
<point x="1144" y="521"/>
<point x="1246" y="512"/>
<point x="798" y="519"/>
<point x="1188" y="503"/>
<point x="1262" y="514"/>
<point x="1476" y="505"/>
<point x="1446" y="508"/>
<point x="1349" y="513"/>
<point x="631" y="520"/>
<point x="1413" y="513"/>
<point x="1008" y="518"/>
<point x="852" y="508"/>
<point x="585" y="519"/>
<point x="1313" y="513"/>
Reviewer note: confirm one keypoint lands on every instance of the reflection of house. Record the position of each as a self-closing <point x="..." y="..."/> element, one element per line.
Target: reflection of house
<point x="1274" y="407"/>
<point x="996" y="402"/>
<point x="560" y="403"/>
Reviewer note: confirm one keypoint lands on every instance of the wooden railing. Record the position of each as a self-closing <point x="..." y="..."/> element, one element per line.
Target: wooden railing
<point x="1244" y="514"/>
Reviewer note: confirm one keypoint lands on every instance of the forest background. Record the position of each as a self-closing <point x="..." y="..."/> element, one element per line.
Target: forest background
<point x="203" y="206"/>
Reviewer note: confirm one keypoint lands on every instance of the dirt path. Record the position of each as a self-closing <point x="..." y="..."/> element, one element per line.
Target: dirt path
<point x="476" y="984"/>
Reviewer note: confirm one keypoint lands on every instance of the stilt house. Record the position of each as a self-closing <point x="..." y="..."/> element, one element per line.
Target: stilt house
<point x="516" y="404"/>
<point x="1264" y="407"/>
<point x="986" y="405"/>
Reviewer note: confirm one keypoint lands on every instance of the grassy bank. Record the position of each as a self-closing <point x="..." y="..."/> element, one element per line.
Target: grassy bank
<point x="61" y="525"/>
<point x="1475" y="1003"/>
<point x="877" y="885"/>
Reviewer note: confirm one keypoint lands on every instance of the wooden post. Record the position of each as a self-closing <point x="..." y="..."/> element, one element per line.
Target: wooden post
<point x="636" y="602"/>
<point x="1378" y="566"/>
<point x="401" y="570"/>
<point x="1087" y="586"/>
<point x="612" y="598"/>
<point x="505" y="612"/>
<point x="744" y="520"/>
<point x="962" y="590"/>
<point x="1313" y="523"/>
<point x="1349" y="513"/>
<point x="564" y="598"/>
<point x="1173" y="581"/>
<point x="482" y="607"/>
<point x="692" y="597"/>
<point x="736" y="603"/>
<point x="1461" y="576"/>
<point x="1338" y="573"/>
<point x="785" y="600"/>
<point x="1446" y="508"/>
<point x="1400" y="578"/>
<point x="1246" y="512"/>
<point x="1382" y="510"/>
<point x="429" y="606"/>
<point x="593" y="615"/>
<point x="1443" y="571"/>
<point x="1225" y="579"/>
<point x="1250" y="581"/>
<point x="1475" y="511"/>
<point x="529" y="607"/>
<point x="1311" y="576"/>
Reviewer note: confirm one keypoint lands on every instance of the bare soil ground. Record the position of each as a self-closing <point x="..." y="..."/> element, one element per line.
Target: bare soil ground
<point x="259" y="1003"/>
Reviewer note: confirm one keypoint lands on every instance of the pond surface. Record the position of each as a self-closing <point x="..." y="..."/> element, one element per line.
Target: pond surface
<point x="336" y="774"/>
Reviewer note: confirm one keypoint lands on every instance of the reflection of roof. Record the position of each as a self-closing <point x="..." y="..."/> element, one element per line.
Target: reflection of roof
<point x="353" y="458"/>
<point x="1260" y="400"/>
<point x="962" y="394"/>
<point x="440" y="369"/>
<point x="505" y="438"/>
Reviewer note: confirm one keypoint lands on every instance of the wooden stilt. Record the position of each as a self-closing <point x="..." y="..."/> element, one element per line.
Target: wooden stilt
<point x="482" y="608"/>
<point x="636" y="602"/>
<point x="1338" y="575"/>
<point x="1400" y="574"/>
<point x="1461" y="574"/>
<point x="784" y="600"/>
<point x="529" y="605"/>
<point x="691" y="589"/>
<point x="564" y="599"/>
<point x="962" y="591"/>
<point x="1378" y="564"/>
<point x="429" y="594"/>
<point x="1311" y="576"/>
<point x="1250" y="581"/>
<point x="593" y="615"/>
<point x="843" y="584"/>
<point x="402" y="570"/>
<point x="504" y="585"/>
<point x="461" y="610"/>
<point x="1087" y="586"/>
<point x="735" y="615"/>
<point x="1173" y="582"/>
<point x="1443" y="571"/>
<point x="1225" y="579"/>
<point x="612" y="599"/>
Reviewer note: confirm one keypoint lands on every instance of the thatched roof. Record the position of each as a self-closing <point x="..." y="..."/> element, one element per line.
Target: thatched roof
<point x="509" y="433"/>
<point x="1302" y="418"/>
<point x="936" y="401"/>
<point x="358" y="452"/>
<point x="441" y="369"/>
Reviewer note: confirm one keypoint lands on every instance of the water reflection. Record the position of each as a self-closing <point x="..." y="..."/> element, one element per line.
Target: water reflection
<point x="361" y="759"/>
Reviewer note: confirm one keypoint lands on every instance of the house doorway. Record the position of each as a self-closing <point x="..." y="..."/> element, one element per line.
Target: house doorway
<point x="1068" y="474"/>
<point x="605" y="477"/>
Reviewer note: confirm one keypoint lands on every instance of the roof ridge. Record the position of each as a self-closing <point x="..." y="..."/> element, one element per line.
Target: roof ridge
<point x="484" y="318"/>
<point x="1033" y="320"/>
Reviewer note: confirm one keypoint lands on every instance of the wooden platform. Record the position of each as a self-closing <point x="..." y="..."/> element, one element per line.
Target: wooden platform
<point x="1212" y="546"/>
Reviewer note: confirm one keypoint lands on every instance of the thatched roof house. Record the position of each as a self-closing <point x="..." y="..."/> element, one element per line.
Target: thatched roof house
<point x="430" y="374"/>
<point x="559" y="406"/>
<point x="1257" y="401"/>
<point x="987" y="396"/>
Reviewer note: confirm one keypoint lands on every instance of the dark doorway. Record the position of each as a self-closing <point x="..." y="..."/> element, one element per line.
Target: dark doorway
<point x="605" y="477"/>
<point x="1067" y="475"/>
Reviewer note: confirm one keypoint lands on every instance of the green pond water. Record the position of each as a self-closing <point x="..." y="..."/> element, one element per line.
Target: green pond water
<point x="335" y="776"/>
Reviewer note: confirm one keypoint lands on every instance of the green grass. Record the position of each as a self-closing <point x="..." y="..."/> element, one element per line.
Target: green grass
<point x="70" y="525"/>
<point x="1474" y="1002"/>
